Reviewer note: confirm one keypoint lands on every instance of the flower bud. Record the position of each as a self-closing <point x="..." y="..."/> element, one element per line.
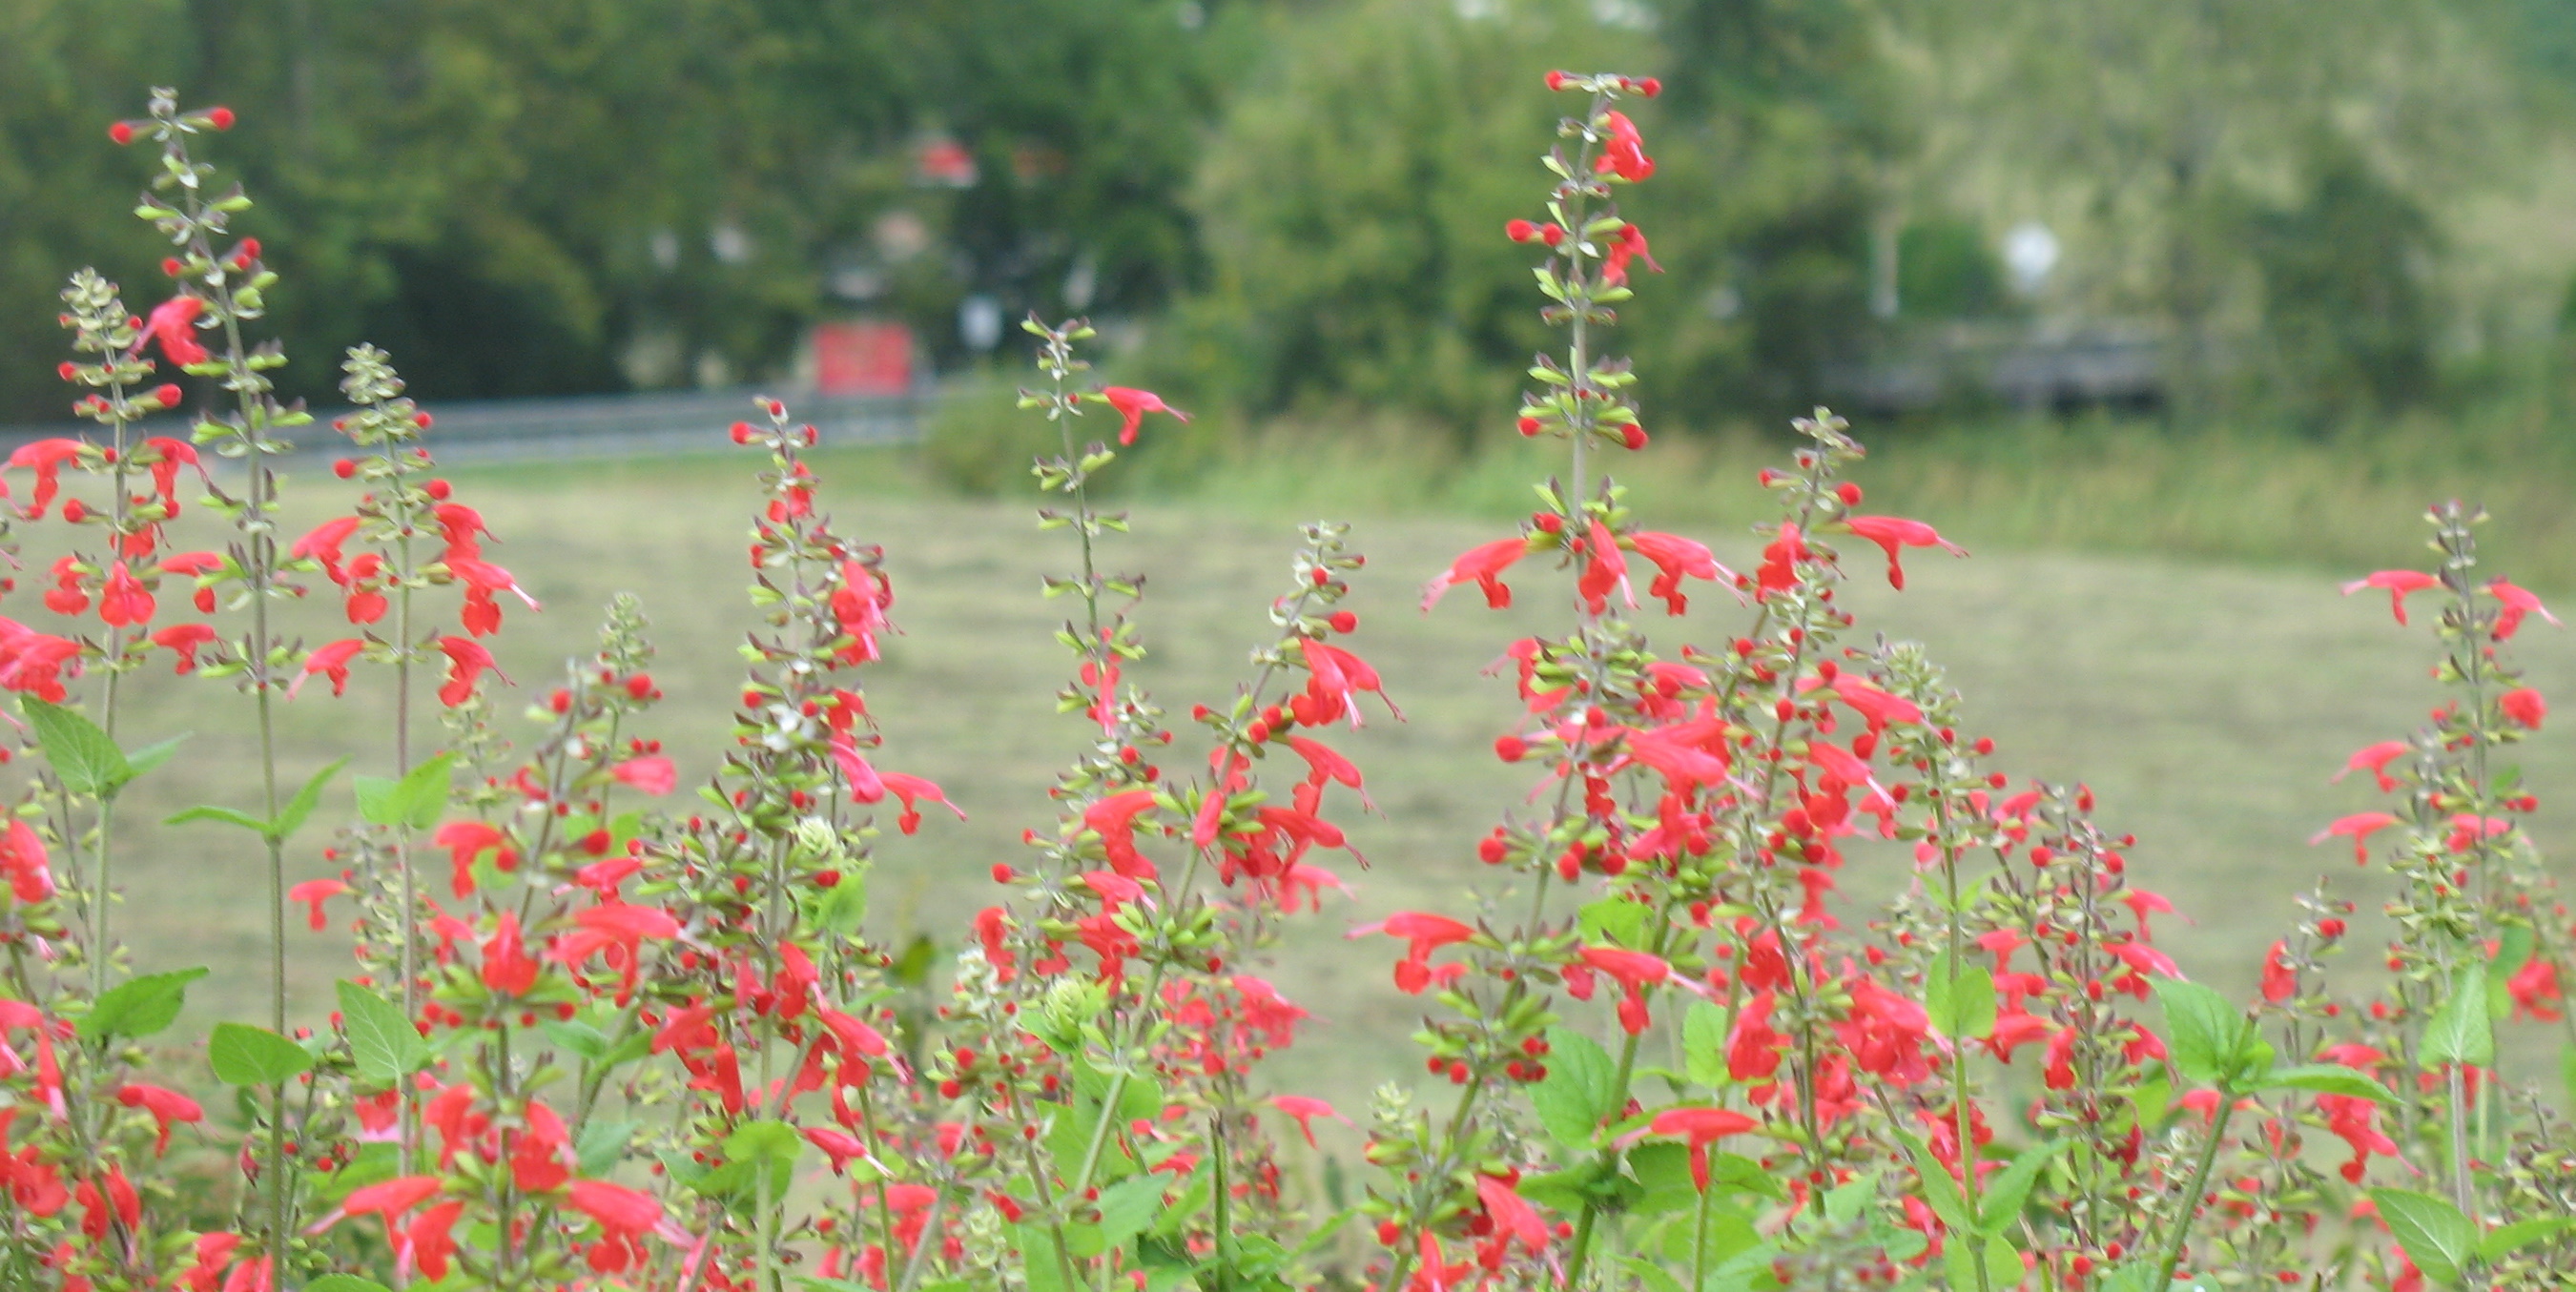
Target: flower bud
<point x="1343" y="621"/>
<point x="172" y="266"/>
<point x="1528" y="426"/>
<point x="1552" y="234"/>
<point x="1650" y="87"/>
<point x="70" y="371"/>
<point x="1520" y="230"/>
<point x="166" y="395"/>
<point x="742" y="432"/>
<point x="1633" y="435"/>
<point x="1510" y="748"/>
<point x="1555" y="81"/>
<point x="1848" y="492"/>
<point x="75" y="511"/>
<point x="220" y="118"/>
<point x="121" y="133"/>
<point x="436" y="489"/>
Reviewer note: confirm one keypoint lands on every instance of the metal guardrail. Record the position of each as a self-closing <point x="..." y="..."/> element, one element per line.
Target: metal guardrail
<point x="656" y="424"/>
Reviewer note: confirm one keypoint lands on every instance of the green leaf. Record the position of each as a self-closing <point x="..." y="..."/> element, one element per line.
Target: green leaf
<point x="1565" y="1191"/>
<point x="139" y="1006"/>
<point x="2505" y="1240"/>
<point x="291" y="818"/>
<point x="2010" y="1188"/>
<point x="842" y="908"/>
<point x="1575" y="1095"/>
<point x="1940" y="1189"/>
<point x="2203" y="1030"/>
<point x="577" y="1036"/>
<point x="344" y="1283"/>
<point x="209" y="812"/>
<point x="763" y="1141"/>
<point x="1127" y="1207"/>
<point x="2462" y="1031"/>
<point x="1960" y="1002"/>
<point x="421" y="797"/>
<point x="2329" y="1079"/>
<point x="1614" y="921"/>
<point x="82" y="755"/>
<point x="375" y="796"/>
<point x="602" y="1145"/>
<point x="1704" y="1044"/>
<point x="1040" y="1263"/>
<point x="382" y="1040"/>
<point x="2435" y="1235"/>
<point x="243" y="1055"/>
<point x="1651" y="1276"/>
<point x="150" y="757"/>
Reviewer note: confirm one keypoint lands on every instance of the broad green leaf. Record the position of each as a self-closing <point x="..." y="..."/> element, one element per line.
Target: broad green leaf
<point x="1614" y="921"/>
<point x="291" y="818"/>
<point x="2462" y="1031"/>
<point x="2435" y="1235"/>
<point x="344" y="1283"/>
<point x="577" y="1036"/>
<point x="1127" y="1207"/>
<point x="1563" y="1191"/>
<point x="2329" y="1079"/>
<point x="2202" y="1029"/>
<point x="375" y="795"/>
<point x="602" y="1145"/>
<point x="421" y="796"/>
<point x="2001" y="1204"/>
<point x="1843" y="1202"/>
<point x="209" y="812"/>
<point x="842" y="908"/>
<point x="1040" y="1263"/>
<point x="2151" y="1099"/>
<point x="1940" y="1188"/>
<point x="1704" y="1044"/>
<point x="243" y="1055"/>
<point x="1575" y="1095"/>
<point x="1650" y="1275"/>
<point x="81" y="754"/>
<point x="150" y="757"/>
<point x="1959" y="1001"/>
<point x="139" y="1006"/>
<point x="382" y="1040"/>
<point x="2504" y="1240"/>
<point x="763" y="1141"/>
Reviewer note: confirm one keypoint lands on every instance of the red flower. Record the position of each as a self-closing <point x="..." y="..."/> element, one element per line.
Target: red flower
<point x="1701" y="1126"/>
<point x="330" y="660"/>
<point x="322" y="544"/>
<point x="1891" y="533"/>
<point x="467" y="841"/>
<point x="2399" y="583"/>
<point x="1305" y="1111"/>
<point x="32" y="662"/>
<point x="429" y="1241"/>
<point x="2375" y="759"/>
<point x="123" y="601"/>
<point x="165" y="456"/>
<point x="1676" y="559"/>
<point x="1629" y="243"/>
<point x="482" y="615"/>
<point x="1625" y="153"/>
<point x="196" y="565"/>
<point x="2524" y="706"/>
<point x="171" y="323"/>
<point x="1513" y="1220"/>
<point x="46" y="459"/>
<point x="2534" y="989"/>
<point x="1114" y="820"/>
<point x="1334" y="677"/>
<point x="2280" y="981"/>
<point x="1484" y="564"/>
<point x="651" y="773"/>
<point x="2517" y="603"/>
<point x="1780" y="559"/>
<point x="1752" y="1048"/>
<point x="314" y="892"/>
<point x="623" y="1215"/>
<point x="1132" y="405"/>
<point x="618" y="931"/>
<point x="466" y="660"/>
<point x="168" y="1107"/>
<point x="1635" y="971"/>
<point x="2360" y="825"/>
<point x="1604" y="568"/>
<point x="911" y="792"/>
<point x="22" y="855"/>
<point x="1423" y="935"/>
<point x="2356" y="1120"/>
<point x="507" y="967"/>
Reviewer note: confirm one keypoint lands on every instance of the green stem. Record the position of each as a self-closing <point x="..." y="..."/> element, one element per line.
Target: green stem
<point x="2190" y="1203"/>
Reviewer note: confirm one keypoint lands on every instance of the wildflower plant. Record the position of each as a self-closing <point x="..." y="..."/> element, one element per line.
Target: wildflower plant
<point x="598" y="1035"/>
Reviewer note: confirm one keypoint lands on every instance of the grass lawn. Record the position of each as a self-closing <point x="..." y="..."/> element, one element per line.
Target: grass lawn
<point x="2206" y="706"/>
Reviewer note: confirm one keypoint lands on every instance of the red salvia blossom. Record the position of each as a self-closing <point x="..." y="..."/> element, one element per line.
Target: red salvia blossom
<point x="1892" y="533"/>
<point x="2399" y="584"/>
<point x="1132" y="405"/>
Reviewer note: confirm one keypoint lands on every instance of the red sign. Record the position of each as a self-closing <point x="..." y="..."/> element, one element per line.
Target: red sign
<point x="862" y="358"/>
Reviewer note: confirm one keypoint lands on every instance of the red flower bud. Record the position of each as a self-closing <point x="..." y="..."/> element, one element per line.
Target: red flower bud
<point x="1344" y="621"/>
<point x="220" y="118"/>
<point x="70" y="371"/>
<point x="1510" y="748"/>
<point x="1520" y="230"/>
<point x="1650" y="87"/>
<point x="1552" y="234"/>
<point x="75" y="511"/>
<point x="172" y="266"/>
<point x="121" y="133"/>
<point x="1634" y="436"/>
<point x="436" y="489"/>
<point x="1848" y="492"/>
<point x="166" y="395"/>
<point x="344" y="468"/>
<point x="1555" y="81"/>
<point x="1528" y="426"/>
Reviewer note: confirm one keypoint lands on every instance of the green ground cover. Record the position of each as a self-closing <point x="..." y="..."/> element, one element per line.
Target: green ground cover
<point x="2207" y="704"/>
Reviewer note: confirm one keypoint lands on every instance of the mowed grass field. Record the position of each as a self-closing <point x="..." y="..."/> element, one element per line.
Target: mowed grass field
<point x="2206" y="705"/>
